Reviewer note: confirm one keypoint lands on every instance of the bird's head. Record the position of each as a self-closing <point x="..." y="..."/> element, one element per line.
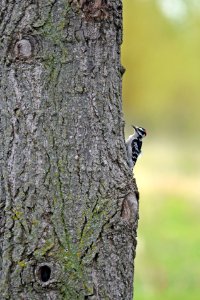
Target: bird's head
<point x="140" y="131"/>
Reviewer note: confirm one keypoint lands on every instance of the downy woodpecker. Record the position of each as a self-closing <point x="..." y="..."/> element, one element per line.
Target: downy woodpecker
<point x="134" y="145"/>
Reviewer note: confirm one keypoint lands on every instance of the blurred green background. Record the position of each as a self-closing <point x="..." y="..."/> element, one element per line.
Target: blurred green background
<point x="161" y="92"/>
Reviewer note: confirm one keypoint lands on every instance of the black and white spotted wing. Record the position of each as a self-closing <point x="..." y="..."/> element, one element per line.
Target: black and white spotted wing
<point x="136" y="149"/>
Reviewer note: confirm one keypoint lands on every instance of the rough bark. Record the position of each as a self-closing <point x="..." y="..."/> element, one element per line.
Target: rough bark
<point x="68" y="201"/>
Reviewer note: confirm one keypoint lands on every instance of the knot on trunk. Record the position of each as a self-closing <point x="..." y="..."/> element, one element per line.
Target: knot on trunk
<point x="25" y="46"/>
<point x="23" y="49"/>
<point x="93" y="9"/>
<point x="129" y="211"/>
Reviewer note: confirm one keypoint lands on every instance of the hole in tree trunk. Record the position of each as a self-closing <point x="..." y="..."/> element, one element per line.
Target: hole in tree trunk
<point x="44" y="273"/>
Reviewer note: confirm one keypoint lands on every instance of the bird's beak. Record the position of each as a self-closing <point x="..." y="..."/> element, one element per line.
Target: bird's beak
<point x="134" y="127"/>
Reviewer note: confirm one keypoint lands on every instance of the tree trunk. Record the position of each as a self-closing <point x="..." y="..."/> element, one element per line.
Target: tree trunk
<point x="68" y="201"/>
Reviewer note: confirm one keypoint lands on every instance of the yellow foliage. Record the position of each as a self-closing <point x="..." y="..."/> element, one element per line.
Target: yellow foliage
<point x="161" y="55"/>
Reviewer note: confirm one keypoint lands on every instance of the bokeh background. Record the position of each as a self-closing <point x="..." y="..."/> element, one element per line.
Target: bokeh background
<point x="161" y="92"/>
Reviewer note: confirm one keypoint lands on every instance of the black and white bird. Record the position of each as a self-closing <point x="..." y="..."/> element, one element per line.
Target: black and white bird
<point x="134" y="145"/>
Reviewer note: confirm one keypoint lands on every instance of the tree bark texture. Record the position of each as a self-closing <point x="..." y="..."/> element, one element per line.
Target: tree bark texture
<point x="68" y="201"/>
